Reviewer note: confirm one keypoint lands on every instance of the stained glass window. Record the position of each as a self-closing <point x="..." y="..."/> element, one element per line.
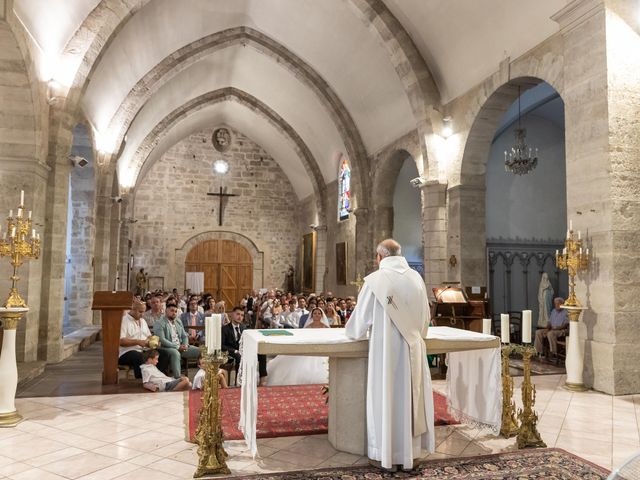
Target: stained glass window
<point x="344" y="190"/>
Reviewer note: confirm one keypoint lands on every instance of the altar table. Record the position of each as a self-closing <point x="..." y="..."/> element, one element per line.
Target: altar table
<point x="348" y="374"/>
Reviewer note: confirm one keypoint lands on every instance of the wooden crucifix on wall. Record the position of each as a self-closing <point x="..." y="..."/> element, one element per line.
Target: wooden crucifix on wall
<point x="222" y="195"/>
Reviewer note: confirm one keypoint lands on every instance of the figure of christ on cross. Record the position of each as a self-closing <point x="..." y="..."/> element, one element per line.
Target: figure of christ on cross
<point x="222" y="194"/>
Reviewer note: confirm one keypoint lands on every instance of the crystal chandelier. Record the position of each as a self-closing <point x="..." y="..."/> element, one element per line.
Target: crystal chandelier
<point x="521" y="159"/>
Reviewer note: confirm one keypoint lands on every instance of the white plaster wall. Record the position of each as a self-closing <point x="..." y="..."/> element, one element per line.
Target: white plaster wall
<point x="407" y="216"/>
<point x="531" y="206"/>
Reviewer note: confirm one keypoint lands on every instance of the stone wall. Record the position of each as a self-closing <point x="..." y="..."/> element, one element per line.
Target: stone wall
<point x="81" y="231"/>
<point x="171" y="206"/>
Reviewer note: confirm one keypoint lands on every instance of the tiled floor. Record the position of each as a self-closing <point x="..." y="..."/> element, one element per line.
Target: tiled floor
<point x="131" y="436"/>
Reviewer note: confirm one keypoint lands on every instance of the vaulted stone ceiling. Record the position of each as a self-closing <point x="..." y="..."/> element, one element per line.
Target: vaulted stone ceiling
<point x="310" y="79"/>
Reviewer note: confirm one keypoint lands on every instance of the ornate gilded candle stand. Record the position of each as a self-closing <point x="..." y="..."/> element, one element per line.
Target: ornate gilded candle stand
<point x="528" y="435"/>
<point x="509" y="426"/>
<point x="573" y="259"/>
<point x="18" y="245"/>
<point x="209" y="435"/>
<point x="527" y="432"/>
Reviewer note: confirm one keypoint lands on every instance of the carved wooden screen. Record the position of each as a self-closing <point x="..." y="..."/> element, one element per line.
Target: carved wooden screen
<point x="227" y="267"/>
<point x="515" y="270"/>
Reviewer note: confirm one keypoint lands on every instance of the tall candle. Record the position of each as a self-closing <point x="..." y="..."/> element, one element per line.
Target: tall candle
<point x="29" y="214"/>
<point x="567" y="233"/>
<point x="208" y="334"/>
<point x="578" y="234"/>
<point x="33" y="233"/>
<point x="216" y="322"/>
<point x="526" y="326"/>
<point x="13" y="232"/>
<point x="21" y="197"/>
<point x="10" y="213"/>
<point x="19" y="212"/>
<point x="504" y="327"/>
<point x="486" y="326"/>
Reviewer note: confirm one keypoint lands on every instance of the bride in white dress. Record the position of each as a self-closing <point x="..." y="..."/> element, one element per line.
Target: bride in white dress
<point x="301" y="370"/>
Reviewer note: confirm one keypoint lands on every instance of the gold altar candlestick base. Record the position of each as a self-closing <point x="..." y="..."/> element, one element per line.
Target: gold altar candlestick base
<point x="528" y="436"/>
<point x="209" y="435"/>
<point x="509" y="426"/>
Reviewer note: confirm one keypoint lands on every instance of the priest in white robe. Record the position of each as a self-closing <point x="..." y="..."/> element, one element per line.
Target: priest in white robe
<point x="393" y="307"/>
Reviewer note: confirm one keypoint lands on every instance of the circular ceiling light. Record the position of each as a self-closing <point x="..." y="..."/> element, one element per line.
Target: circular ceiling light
<point x="220" y="167"/>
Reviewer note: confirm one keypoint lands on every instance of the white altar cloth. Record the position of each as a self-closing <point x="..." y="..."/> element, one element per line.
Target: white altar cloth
<point x="468" y="387"/>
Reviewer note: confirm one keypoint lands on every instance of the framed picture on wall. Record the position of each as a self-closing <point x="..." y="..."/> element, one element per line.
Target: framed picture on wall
<point x="341" y="263"/>
<point x="156" y="283"/>
<point x="309" y="262"/>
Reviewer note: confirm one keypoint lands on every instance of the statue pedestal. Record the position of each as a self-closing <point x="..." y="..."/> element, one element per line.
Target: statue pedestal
<point x="575" y="353"/>
<point x="9" y="417"/>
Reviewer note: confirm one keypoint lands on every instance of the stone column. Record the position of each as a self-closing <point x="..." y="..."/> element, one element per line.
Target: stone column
<point x="602" y="105"/>
<point x="467" y="237"/>
<point x="383" y="223"/>
<point x="364" y="246"/>
<point x="54" y="243"/>
<point x="434" y="232"/>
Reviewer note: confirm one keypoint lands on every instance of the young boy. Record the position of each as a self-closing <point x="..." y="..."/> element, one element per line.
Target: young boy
<point x="198" y="380"/>
<point x="153" y="379"/>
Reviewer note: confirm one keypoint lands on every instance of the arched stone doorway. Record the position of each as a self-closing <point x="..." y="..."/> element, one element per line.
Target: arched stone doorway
<point x="507" y="227"/>
<point x="245" y="253"/>
<point x="227" y="268"/>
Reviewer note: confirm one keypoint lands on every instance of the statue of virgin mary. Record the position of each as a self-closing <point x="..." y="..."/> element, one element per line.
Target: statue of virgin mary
<point x="545" y="300"/>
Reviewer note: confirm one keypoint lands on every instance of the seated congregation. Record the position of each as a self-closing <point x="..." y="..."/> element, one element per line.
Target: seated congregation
<point x="163" y="332"/>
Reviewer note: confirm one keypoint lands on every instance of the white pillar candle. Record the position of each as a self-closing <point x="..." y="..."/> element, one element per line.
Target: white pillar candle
<point x="21" y="197"/>
<point x="504" y="327"/>
<point x="29" y="214"/>
<point x="208" y="334"/>
<point x="217" y="330"/>
<point x="10" y="213"/>
<point x="571" y="225"/>
<point x="526" y="326"/>
<point x="19" y="212"/>
<point x="13" y="232"/>
<point x="567" y="233"/>
<point x="486" y="326"/>
<point x="578" y="234"/>
<point x="33" y="233"/>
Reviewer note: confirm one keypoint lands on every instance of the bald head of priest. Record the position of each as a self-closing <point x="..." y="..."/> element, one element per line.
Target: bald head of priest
<point x="392" y="308"/>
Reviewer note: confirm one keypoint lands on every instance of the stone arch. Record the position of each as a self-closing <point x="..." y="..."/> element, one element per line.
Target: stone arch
<point x="467" y="201"/>
<point x="246" y="36"/>
<point x="249" y="101"/>
<point x="257" y="254"/>
<point x="413" y="72"/>
<point x="387" y="167"/>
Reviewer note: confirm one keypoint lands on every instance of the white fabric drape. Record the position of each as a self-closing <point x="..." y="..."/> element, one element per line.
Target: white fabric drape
<point x="195" y="282"/>
<point x="474" y="385"/>
<point x="468" y="408"/>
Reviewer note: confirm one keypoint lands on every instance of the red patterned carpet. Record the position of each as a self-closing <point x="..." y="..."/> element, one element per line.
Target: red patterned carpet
<point x="284" y="411"/>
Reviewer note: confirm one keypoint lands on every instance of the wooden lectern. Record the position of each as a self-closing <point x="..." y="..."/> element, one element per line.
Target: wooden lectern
<point x="112" y="305"/>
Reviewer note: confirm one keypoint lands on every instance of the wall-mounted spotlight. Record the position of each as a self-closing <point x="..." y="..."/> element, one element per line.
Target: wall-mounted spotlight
<point x="418" y="182"/>
<point x="78" y="161"/>
<point x="447" y="129"/>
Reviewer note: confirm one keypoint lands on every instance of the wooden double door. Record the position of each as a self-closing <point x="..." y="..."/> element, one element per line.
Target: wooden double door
<point x="227" y="268"/>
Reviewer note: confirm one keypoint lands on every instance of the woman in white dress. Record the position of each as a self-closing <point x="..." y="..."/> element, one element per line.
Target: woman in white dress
<point x="301" y="370"/>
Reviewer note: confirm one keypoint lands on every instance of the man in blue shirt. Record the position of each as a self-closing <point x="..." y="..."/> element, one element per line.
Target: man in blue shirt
<point x="558" y="327"/>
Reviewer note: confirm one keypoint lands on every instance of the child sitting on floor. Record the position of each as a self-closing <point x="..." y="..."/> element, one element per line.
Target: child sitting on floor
<point x="198" y="380"/>
<point x="153" y="379"/>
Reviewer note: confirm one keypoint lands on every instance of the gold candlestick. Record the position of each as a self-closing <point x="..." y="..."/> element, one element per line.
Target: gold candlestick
<point x="528" y="435"/>
<point x="573" y="259"/>
<point x="509" y="426"/>
<point x="209" y="435"/>
<point x="19" y="243"/>
<point x="359" y="282"/>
